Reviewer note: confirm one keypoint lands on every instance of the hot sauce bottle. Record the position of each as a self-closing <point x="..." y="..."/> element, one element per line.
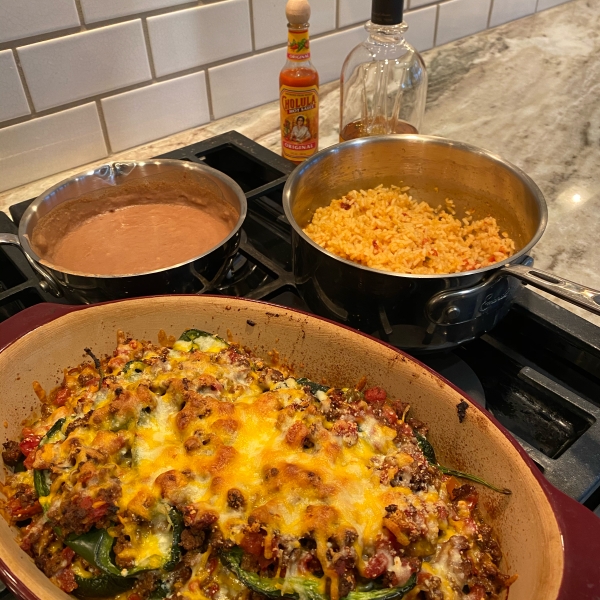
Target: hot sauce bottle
<point x="298" y="89"/>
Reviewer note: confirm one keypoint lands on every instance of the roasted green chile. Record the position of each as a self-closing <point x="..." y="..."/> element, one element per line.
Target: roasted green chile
<point x="41" y="478"/>
<point x="95" y="547"/>
<point x="271" y="587"/>
<point x="429" y="454"/>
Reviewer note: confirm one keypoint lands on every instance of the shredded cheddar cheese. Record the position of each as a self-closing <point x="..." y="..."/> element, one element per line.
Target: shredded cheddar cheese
<point x="197" y="471"/>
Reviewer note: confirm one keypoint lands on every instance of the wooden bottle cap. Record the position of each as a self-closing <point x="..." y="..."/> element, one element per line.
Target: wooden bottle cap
<point x="297" y="12"/>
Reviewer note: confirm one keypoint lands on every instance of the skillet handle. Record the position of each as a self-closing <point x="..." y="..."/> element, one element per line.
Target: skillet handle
<point x="580" y="529"/>
<point x="570" y="291"/>
<point x="47" y="282"/>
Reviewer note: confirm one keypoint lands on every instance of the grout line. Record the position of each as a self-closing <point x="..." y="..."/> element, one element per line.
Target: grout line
<point x="489" y="19"/>
<point x="252" y="35"/>
<point x="148" y="48"/>
<point x="21" y="73"/>
<point x="209" y="95"/>
<point x="142" y="14"/>
<point x="437" y="23"/>
<point x="537" y="3"/>
<point x="337" y="14"/>
<point x="104" y="127"/>
<point x="43" y="37"/>
<point x="80" y="14"/>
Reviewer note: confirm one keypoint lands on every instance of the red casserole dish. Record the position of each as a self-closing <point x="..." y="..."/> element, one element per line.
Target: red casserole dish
<point x="550" y="540"/>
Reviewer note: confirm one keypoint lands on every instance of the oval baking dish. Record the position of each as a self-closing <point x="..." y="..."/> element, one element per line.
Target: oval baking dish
<point x="551" y="541"/>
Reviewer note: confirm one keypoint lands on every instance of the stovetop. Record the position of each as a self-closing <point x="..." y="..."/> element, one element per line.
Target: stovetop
<point x="537" y="372"/>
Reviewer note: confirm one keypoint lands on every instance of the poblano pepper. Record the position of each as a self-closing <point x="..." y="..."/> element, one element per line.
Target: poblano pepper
<point x="314" y="387"/>
<point x="271" y="587"/>
<point x="102" y="586"/>
<point x="96" y="548"/>
<point x="196" y="339"/>
<point x="41" y="478"/>
<point x="135" y="366"/>
<point x="429" y="454"/>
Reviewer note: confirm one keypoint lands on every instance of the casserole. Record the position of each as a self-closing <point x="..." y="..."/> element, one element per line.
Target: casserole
<point x="548" y="539"/>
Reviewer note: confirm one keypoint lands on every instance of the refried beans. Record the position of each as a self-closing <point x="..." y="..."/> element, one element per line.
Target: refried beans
<point x="137" y="229"/>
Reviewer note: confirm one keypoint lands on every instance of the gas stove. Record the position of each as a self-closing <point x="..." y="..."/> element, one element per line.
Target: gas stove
<point x="537" y="372"/>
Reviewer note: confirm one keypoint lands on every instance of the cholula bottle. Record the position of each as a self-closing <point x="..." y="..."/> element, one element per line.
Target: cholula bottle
<point x="383" y="85"/>
<point x="298" y="89"/>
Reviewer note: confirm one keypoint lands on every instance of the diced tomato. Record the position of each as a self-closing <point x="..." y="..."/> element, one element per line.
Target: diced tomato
<point x="310" y="564"/>
<point x="66" y="580"/>
<point x="212" y="564"/>
<point x="389" y="414"/>
<point x="212" y="589"/>
<point x="62" y="396"/>
<point x="375" y="394"/>
<point x="85" y="502"/>
<point x="68" y="555"/>
<point x="252" y="543"/>
<point x="28" y="462"/>
<point x="466" y="493"/>
<point x="29" y="444"/>
<point x="134" y="596"/>
<point x="19" y="513"/>
<point x="376" y="565"/>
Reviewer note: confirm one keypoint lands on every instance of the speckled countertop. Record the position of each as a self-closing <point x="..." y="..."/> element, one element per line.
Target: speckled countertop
<point x="528" y="91"/>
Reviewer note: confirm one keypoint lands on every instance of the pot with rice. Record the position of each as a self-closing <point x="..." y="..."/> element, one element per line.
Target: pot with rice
<point x="421" y="239"/>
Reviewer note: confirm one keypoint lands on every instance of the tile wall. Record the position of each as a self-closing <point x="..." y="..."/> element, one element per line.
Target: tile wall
<point x="82" y="79"/>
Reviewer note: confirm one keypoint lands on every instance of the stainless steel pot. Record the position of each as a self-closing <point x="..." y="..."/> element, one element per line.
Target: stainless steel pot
<point x="197" y="275"/>
<point x="421" y="313"/>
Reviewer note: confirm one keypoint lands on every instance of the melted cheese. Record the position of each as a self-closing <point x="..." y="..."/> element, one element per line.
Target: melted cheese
<point x="241" y="438"/>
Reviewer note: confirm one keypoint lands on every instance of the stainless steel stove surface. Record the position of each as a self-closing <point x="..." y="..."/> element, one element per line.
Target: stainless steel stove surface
<point x="537" y="372"/>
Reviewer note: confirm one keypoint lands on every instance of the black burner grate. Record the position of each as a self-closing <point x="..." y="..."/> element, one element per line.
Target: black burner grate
<point x="538" y="372"/>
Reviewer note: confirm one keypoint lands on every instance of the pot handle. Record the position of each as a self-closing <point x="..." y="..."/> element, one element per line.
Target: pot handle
<point x="570" y="291"/>
<point x="48" y="284"/>
<point x="580" y="529"/>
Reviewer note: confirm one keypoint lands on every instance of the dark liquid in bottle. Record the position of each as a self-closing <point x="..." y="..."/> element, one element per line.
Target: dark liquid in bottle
<point x="357" y="129"/>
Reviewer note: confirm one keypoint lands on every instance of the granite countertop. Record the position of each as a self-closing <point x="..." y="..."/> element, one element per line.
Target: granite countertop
<point x="528" y="91"/>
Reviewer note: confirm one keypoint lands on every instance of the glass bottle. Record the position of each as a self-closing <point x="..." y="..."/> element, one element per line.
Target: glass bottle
<point x="298" y="89"/>
<point x="383" y="85"/>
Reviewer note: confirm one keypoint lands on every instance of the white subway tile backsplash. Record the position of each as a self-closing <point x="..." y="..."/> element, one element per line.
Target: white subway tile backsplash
<point x="245" y="83"/>
<point x="421" y="27"/>
<point x="47" y="145"/>
<point x="189" y="38"/>
<point x="329" y="52"/>
<point x="13" y="103"/>
<point x="156" y="111"/>
<point x="82" y="65"/>
<point x="270" y="23"/>
<point x="459" y="18"/>
<point x="354" y="11"/>
<point x="100" y="10"/>
<point x="116" y="65"/>
<point x="25" y="18"/>
<point x="544" y="4"/>
<point x="509" y="10"/>
<point x="418" y="3"/>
